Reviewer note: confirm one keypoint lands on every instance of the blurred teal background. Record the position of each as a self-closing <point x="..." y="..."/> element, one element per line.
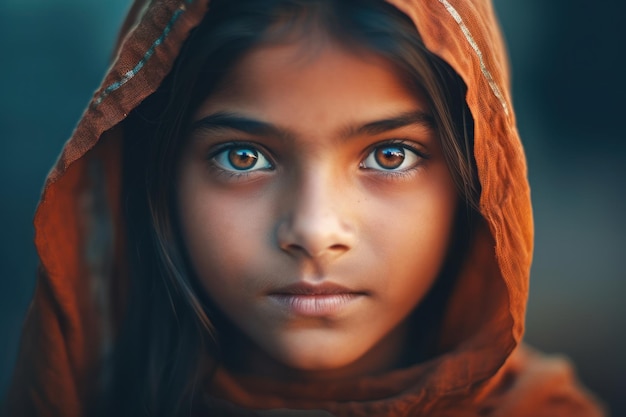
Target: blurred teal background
<point x="568" y="84"/>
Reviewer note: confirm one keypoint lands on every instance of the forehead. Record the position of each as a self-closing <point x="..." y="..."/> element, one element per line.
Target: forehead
<point x="314" y="84"/>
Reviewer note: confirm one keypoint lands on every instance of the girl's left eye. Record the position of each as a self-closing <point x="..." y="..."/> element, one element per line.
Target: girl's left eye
<point x="243" y="158"/>
<point x="391" y="157"/>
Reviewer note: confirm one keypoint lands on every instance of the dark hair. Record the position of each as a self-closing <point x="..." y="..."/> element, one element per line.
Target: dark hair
<point x="167" y="345"/>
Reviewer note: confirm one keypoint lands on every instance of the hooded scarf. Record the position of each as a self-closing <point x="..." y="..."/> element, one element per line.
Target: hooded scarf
<point x="483" y="368"/>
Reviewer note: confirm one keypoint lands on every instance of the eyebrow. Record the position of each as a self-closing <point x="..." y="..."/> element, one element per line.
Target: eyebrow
<point x="235" y="121"/>
<point x="419" y="118"/>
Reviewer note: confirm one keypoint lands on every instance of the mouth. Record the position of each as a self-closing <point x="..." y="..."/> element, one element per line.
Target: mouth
<point x="310" y="300"/>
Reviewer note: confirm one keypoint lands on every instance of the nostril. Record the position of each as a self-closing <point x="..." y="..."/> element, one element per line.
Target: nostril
<point x="330" y="252"/>
<point x="338" y="248"/>
<point x="293" y="248"/>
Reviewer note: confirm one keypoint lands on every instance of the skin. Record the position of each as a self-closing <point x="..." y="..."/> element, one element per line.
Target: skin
<point x="315" y="207"/>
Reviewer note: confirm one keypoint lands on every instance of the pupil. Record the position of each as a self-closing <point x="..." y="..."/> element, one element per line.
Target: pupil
<point x="389" y="157"/>
<point x="243" y="158"/>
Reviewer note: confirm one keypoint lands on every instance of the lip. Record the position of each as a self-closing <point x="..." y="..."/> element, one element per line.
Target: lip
<point x="315" y="300"/>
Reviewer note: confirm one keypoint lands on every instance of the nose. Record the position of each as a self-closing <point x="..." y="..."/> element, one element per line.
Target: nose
<point x="318" y="221"/>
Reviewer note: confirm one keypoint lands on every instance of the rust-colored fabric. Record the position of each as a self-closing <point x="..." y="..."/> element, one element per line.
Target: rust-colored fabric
<point x="483" y="370"/>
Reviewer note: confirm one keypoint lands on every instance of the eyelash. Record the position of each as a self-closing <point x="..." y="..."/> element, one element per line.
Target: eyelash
<point x="222" y="149"/>
<point x="406" y="144"/>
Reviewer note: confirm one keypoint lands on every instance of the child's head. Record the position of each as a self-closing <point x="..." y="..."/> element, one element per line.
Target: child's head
<point x="304" y="182"/>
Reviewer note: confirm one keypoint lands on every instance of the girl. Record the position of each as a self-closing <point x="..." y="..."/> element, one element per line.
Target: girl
<point x="291" y="207"/>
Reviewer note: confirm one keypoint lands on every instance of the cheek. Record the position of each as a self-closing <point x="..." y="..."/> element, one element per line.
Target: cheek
<point x="219" y="233"/>
<point x="410" y="236"/>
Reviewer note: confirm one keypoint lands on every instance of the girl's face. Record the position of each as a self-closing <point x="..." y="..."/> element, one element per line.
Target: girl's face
<point x="316" y="207"/>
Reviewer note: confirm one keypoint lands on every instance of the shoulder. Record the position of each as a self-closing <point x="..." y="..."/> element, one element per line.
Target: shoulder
<point x="539" y="385"/>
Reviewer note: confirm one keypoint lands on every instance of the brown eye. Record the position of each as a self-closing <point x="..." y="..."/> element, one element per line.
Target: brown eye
<point x="392" y="157"/>
<point x="241" y="158"/>
<point x="389" y="157"/>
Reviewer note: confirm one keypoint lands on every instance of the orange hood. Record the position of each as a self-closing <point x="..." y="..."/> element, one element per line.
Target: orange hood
<point x="78" y="238"/>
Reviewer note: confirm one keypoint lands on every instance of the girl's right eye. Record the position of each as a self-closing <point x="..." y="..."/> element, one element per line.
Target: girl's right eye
<point x="241" y="158"/>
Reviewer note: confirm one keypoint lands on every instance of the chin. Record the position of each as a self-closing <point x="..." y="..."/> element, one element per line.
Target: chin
<point x="316" y="360"/>
<point x="317" y="363"/>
